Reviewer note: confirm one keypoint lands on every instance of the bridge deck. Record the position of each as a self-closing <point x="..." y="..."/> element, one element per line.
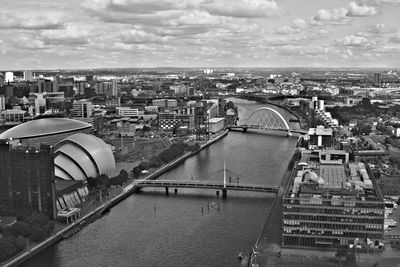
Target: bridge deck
<point x="205" y="185"/>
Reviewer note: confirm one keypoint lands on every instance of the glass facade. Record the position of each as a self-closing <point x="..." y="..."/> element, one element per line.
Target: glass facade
<point x="28" y="186"/>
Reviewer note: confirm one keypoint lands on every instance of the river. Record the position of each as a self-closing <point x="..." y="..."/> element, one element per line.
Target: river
<point x="192" y="227"/>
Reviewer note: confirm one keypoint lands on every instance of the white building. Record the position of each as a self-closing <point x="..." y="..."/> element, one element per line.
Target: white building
<point x="9" y="76"/>
<point x="216" y="124"/>
<point x="127" y="112"/>
<point x="82" y="109"/>
<point x="28" y="75"/>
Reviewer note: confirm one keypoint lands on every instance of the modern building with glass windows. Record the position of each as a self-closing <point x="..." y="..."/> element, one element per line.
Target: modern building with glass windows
<point x="329" y="204"/>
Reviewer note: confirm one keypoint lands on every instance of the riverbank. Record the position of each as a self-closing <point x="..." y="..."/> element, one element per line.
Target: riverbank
<point x="103" y="208"/>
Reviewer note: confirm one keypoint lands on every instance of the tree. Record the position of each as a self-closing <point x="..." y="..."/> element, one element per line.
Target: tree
<point x="38" y="234"/>
<point x="21" y="243"/>
<point x="7" y="247"/>
<point x="20" y="229"/>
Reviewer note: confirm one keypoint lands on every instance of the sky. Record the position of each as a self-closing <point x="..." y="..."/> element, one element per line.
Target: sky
<point x="82" y="34"/>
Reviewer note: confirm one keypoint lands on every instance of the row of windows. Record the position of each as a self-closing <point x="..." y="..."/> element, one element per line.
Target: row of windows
<point x="322" y="218"/>
<point x="328" y="203"/>
<point x="355" y="227"/>
<point x="325" y="210"/>
<point x="330" y="233"/>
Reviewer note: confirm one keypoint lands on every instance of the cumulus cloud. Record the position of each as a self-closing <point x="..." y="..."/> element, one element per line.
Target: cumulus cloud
<point x="299" y="24"/>
<point x="332" y="15"/>
<point x="355" y="41"/>
<point x="229" y="8"/>
<point x="9" y="20"/>
<point x="355" y="10"/>
<point x="243" y="8"/>
<point x="340" y="15"/>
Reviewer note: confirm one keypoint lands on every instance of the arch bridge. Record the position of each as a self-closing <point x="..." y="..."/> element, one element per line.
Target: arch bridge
<point x="265" y="118"/>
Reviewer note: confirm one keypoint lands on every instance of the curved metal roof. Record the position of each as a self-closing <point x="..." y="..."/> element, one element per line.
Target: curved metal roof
<point x="42" y="127"/>
<point x="84" y="154"/>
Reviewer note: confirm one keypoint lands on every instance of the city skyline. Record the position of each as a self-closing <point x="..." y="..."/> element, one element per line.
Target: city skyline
<point x="199" y="33"/>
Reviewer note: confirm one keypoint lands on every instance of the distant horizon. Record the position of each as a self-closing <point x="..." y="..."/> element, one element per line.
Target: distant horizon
<point x="200" y="68"/>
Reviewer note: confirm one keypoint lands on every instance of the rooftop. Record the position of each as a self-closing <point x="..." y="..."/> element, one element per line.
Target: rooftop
<point x="44" y="127"/>
<point x="320" y="131"/>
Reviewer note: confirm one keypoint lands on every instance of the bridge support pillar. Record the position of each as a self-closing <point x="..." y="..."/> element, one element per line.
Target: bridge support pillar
<point x="224" y="193"/>
<point x="166" y="190"/>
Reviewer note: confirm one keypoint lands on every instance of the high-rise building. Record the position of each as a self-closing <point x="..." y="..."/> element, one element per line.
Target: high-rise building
<point x="29" y="186"/>
<point x="9" y="77"/>
<point x="28" y="75"/>
<point x="45" y="85"/>
<point x="377" y="82"/>
<point x="82" y="109"/>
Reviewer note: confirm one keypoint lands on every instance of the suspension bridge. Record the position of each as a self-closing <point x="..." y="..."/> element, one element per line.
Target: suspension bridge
<point x="208" y="182"/>
<point x="266" y="118"/>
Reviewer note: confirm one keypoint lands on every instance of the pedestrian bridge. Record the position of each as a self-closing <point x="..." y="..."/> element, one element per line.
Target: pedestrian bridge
<point x="205" y="185"/>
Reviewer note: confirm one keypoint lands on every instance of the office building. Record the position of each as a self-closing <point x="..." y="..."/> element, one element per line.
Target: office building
<point x="26" y="187"/>
<point x="329" y="204"/>
<point x="127" y="112"/>
<point x="82" y="109"/>
<point x="165" y="103"/>
<point x="377" y="82"/>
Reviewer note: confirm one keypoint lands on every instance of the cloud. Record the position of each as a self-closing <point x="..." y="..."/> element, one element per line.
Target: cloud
<point x="299" y="24"/>
<point x="395" y="38"/>
<point x="243" y="8"/>
<point x="71" y="35"/>
<point x="340" y="15"/>
<point x="355" y="41"/>
<point x="228" y="8"/>
<point x="27" y="42"/>
<point x="360" y="11"/>
<point x="9" y="20"/>
<point x="333" y="15"/>
<point x="380" y="28"/>
<point x="285" y="30"/>
<point x="140" y="36"/>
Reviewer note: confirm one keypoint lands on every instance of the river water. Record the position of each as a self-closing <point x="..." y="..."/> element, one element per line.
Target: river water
<point x="192" y="227"/>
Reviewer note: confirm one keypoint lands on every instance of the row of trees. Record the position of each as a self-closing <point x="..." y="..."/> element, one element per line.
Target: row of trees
<point x="15" y="237"/>
<point x="166" y="156"/>
<point x="103" y="181"/>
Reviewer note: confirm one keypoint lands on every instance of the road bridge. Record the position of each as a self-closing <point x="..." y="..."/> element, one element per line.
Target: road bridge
<point x="266" y="118"/>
